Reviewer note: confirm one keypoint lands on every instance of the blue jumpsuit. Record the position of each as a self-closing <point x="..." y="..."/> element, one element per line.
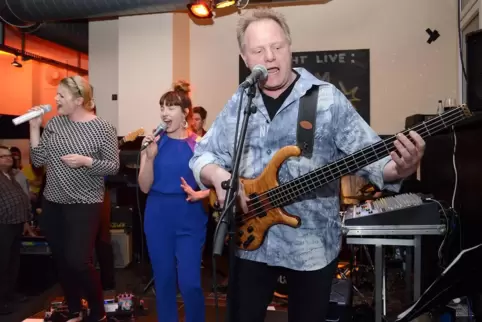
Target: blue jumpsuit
<point x="175" y="232"/>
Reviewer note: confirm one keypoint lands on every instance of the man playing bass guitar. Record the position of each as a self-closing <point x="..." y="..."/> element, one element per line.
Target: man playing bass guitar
<point x="306" y="255"/>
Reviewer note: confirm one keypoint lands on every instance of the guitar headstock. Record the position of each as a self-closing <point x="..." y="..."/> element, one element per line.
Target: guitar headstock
<point x="131" y="136"/>
<point x="465" y="109"/>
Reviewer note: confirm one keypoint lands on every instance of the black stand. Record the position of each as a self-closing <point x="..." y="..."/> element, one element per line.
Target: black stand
<point x="460" y="278"/>
<point x="148" y="286"/>
<point x="228" y="214"/>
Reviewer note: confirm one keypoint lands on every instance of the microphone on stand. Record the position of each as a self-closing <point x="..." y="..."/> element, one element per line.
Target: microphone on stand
<point x="32" y="114"/>
<point x="259" y="73"/>
<point x="160" y="128"/>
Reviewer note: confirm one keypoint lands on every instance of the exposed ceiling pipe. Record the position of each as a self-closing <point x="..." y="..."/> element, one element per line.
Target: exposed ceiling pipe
<point x="27" y="56"/>
<point x="74" y="35"/>
<point x="30" y="11"/>
<point x="44" y="18"/>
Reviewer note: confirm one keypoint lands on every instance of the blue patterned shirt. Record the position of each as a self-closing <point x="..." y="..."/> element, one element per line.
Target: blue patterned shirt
<point x="340" y="131"/>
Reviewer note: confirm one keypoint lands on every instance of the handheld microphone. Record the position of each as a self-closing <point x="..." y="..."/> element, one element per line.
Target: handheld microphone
<point x="33" y="114"/>
<point x="161" y="127"/>
<point x="259" y="73"/>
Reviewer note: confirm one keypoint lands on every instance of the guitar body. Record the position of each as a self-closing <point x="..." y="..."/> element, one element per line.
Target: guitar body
<point x="252" y="232"/>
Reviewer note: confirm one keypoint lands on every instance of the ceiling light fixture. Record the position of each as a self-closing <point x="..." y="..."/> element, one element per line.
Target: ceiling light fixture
<point x="201" y="8"/>
<point x="15" y="63"/>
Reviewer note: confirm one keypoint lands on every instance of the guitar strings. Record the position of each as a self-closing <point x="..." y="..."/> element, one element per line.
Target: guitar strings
<point x="350" y="156"/>
<point x="377" y="150"/>
<point x="302" y="179"/>
<point x="278" y="193"/>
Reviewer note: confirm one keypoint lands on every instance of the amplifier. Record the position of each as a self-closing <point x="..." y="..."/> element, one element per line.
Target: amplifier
<point x="122" y="248"/>
<point x="35" y="246"/>
<point x="415" y="119"/>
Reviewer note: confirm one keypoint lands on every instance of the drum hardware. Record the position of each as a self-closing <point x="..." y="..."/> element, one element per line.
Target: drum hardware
<point x="344" y="276"/>
<point x="343" y="267"/>
<point x="358" y="268"/>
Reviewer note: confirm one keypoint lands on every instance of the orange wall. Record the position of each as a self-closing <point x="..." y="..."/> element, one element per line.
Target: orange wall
<point x="35" y="83"/>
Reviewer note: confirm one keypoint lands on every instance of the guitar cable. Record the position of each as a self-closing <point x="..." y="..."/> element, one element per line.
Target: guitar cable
<point x="456" y="181"/>
<point x="447" y="231"/>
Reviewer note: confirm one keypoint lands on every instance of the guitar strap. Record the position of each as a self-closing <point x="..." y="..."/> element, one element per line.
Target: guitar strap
<point x="305" y="134"/>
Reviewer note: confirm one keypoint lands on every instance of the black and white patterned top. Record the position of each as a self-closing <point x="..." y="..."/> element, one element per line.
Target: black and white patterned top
<point x="96" y="139"/>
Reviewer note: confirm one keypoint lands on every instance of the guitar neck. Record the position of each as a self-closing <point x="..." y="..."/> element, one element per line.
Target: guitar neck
<point x="290" y="191"/>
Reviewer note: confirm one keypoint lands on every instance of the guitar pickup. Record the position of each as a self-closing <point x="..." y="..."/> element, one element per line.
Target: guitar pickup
<point x="254" y="199"/>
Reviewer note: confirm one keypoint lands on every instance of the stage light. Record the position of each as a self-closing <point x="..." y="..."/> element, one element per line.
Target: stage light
<point x="15" y="63"/>
<point x="201" y="8"/>
<point x="224" y="4"/>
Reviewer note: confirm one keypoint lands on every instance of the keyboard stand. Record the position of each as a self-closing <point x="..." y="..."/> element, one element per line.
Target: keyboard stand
<point x="360" y="235"/>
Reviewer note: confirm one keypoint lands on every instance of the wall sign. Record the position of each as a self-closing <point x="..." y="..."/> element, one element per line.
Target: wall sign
<point x="348" y="70"/>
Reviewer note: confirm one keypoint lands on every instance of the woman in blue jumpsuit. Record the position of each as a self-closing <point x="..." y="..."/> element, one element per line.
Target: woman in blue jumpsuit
<point x="175" y="220"/>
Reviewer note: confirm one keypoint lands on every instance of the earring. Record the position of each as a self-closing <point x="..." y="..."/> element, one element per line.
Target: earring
<point x="185" y="125"/>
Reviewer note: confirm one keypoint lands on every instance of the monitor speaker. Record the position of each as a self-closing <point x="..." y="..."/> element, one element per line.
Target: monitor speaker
<point x="474" y="70"/>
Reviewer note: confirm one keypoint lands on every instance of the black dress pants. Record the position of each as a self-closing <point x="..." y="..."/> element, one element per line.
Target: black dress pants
<point x="71" y="231"/>
<point x="10" y="241"/>
<point x="255" y="283"/>
<point x="103" y="247"/>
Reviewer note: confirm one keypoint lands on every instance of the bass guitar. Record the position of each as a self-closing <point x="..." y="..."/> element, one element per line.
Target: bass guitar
<point x="267" y="197"/>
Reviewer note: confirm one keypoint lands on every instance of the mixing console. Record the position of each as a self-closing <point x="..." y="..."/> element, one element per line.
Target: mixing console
<point x="403" y="209"/>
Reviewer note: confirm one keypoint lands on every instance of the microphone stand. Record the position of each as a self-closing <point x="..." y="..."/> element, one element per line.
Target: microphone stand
<point x="228" y="215"/>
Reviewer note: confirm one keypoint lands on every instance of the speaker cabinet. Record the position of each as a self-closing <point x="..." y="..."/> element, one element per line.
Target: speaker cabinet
<point x="122" y="248"/>
<point x="438" y="178"/>
<point x="474" y="70"/>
